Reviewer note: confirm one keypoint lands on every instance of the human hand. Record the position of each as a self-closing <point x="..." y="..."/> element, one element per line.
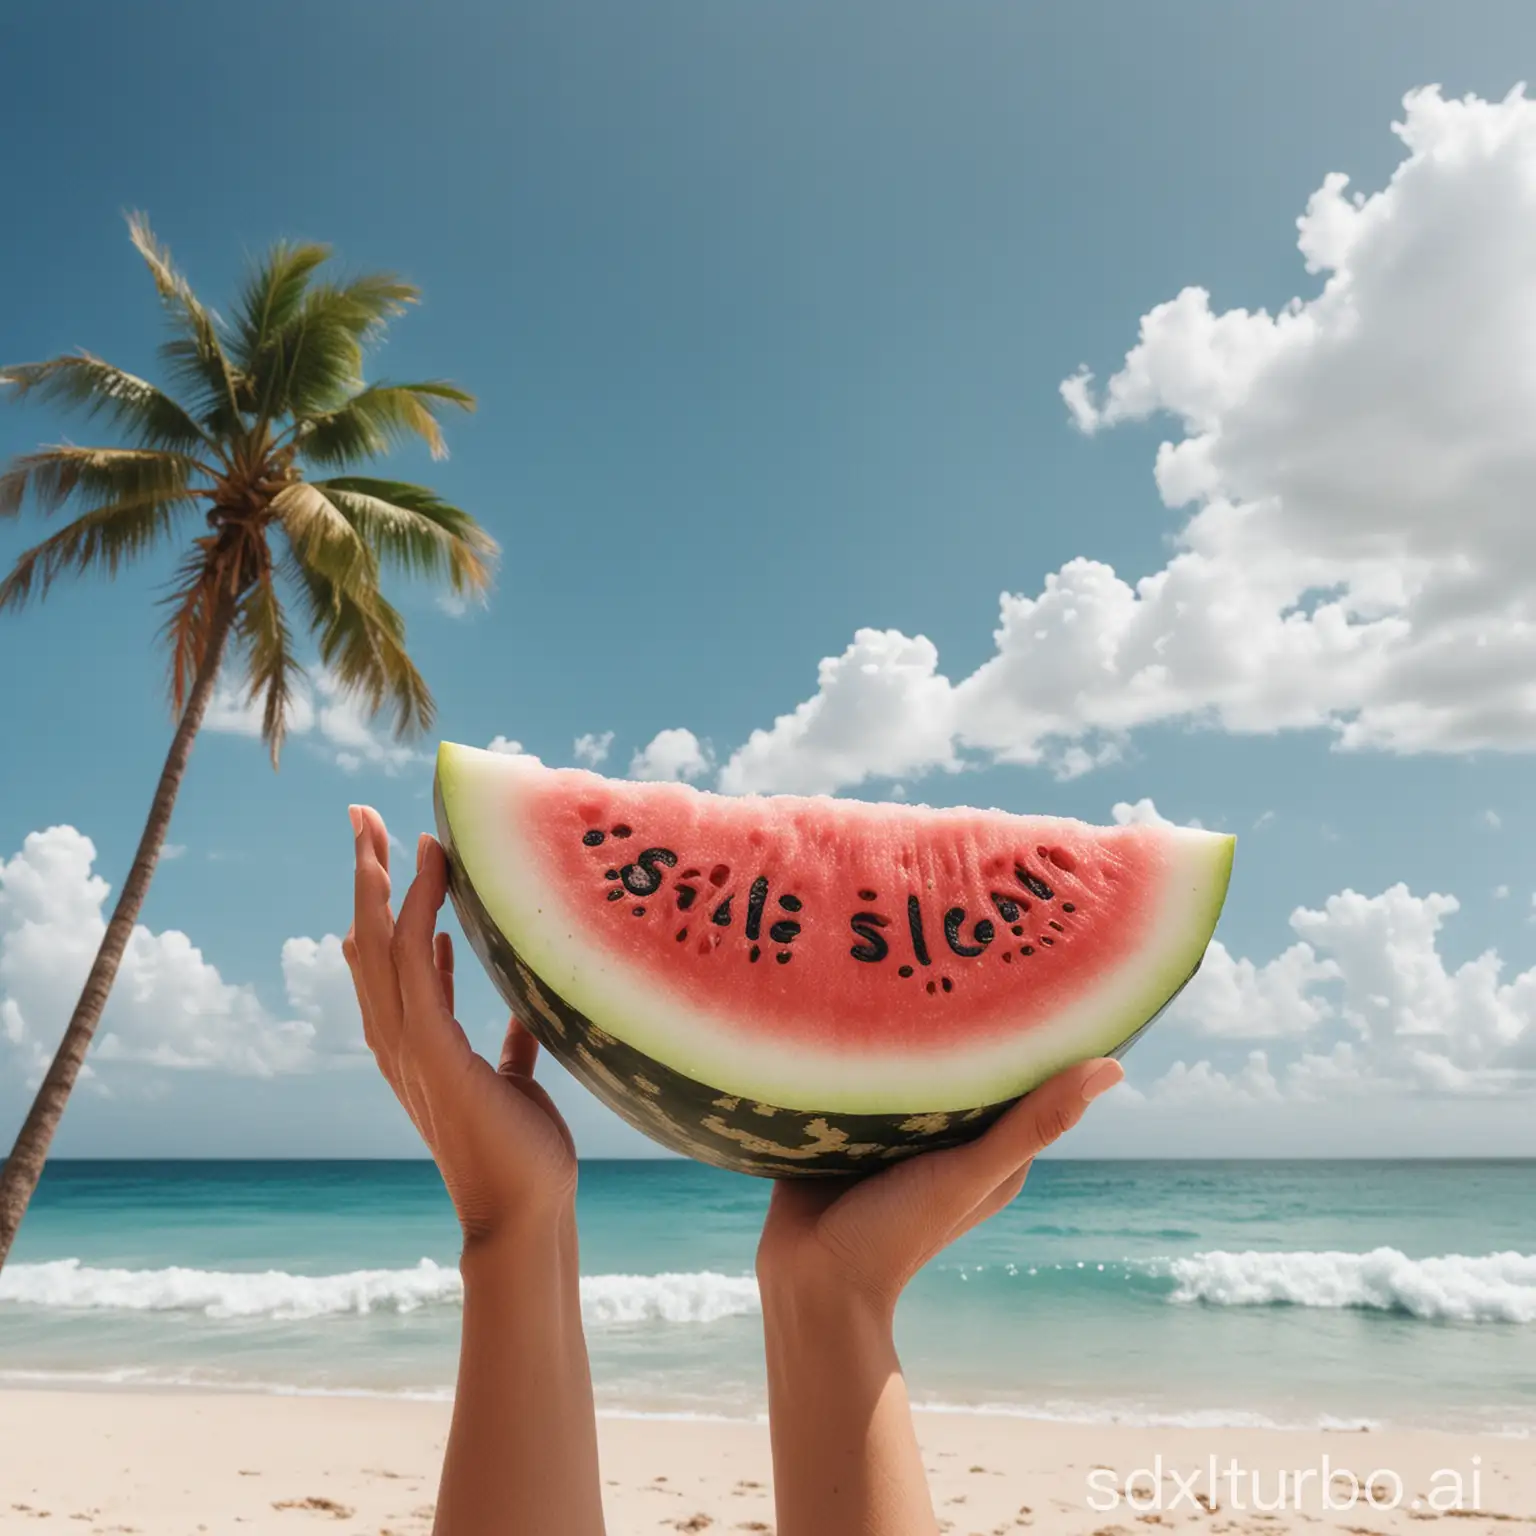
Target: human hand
<point x="867" y="1237"/>
<point x="505" y="1153"/>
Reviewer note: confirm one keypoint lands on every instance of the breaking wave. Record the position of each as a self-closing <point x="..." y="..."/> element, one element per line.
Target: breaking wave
<point x="1452" y="1288"/>
<point x="1492" y="1288"/>
<point x="69" y="1285"/>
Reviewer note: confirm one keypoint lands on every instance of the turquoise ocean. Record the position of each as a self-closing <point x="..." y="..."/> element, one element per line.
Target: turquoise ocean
<point x="1289" y="1293"/>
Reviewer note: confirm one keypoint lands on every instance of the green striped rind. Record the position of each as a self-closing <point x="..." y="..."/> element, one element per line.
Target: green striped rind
<point x="730" y="1131"/>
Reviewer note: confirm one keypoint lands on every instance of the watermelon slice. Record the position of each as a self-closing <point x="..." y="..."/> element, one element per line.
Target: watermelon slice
<point x="784" y="985"/>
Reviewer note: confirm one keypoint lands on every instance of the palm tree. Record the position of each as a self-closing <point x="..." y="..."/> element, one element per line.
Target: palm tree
<point x="264" y="399"/>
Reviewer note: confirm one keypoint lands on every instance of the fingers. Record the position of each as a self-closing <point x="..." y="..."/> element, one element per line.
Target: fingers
<point x="442" y="951"/>
<point x="1004" y="1195"/>
<point x="367" y="946"/>
<point x="1038" y="1119"/>
<point x="432" y="1035"/>
<point x="519" y="1051"/>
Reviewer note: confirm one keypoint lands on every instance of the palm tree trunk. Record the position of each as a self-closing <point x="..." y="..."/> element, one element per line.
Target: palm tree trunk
<point x="24" y="1166"/>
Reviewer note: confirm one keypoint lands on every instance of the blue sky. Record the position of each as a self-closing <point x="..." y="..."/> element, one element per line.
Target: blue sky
<point x="768" y="309"/>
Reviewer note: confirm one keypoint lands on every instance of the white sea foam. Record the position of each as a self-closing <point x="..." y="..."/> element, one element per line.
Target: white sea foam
<point x="1491" y="1288"/>
<point x="67" y="1285"/>
<point x="704" y="1297"/>
<point x="1142" y="1415"/>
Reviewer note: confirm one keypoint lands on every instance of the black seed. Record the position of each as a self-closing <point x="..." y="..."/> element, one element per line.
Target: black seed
<point x="621" y="830"/>
<point x="756" y="954"/>
<point x="1033" y="884"/>
<point x="638" y="911"/>
<point x="790" y="903"/>
<point x="592" y="838"/>
<point x="685" y="895"/>
<point x="1018" y="931"/>
<point x="783" y="957"/>
<point x="984" y="932"/>
<point x="721" y="916"/>
<point x="949" y="986"/>
<point x="756" y="896"/>
<point x="1026" y="949"/>
<point x="915" y="924"/>
<point x="610" y="874"/>
<point x="682" y="934"/>
<point x="1067" y="906"/>
<point x="1057" y="926"/>
<point x="906" y="970"/>
<point x="784" y="933"/>
<point x="1007" y="907"/>
<point x="868" y="896"/>
<point x="615" y="895"/>
<point x="1045" y="939"/>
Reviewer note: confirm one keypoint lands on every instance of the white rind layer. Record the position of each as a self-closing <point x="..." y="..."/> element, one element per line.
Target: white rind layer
<point x="481" y="792"/>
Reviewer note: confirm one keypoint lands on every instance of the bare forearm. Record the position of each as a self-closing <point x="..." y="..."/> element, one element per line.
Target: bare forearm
<point x="522" y="1451"/>
<point x="845" y="1457"/>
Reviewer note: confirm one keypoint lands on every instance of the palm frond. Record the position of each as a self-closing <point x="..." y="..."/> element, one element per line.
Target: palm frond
<point x="269" y="327"/>
<point x="379" y="418"/>
<point x="106" y="537"/>
<point x="192" y="601"/>
<point x="323" y="540"/>
<point x="55" y="474"/>
<point x="413" y="530"/>
<point x="147" y="414"/>
<point x="271" y="297"/>
<point x="364" y="305"/>
<point x="197" y="355"/>
<point x="271" y="669"/>
<point x="322" y="346"/>
<point x="361" y="640"/>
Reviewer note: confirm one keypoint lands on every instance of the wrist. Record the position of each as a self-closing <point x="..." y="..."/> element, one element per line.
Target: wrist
<point x="807" y="1280"/>
<point x="824" y="1317"/>
<point x="533" y="1245"/>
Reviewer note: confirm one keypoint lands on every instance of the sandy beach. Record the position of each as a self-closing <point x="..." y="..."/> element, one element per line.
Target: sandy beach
<point x="174" y="1464"/>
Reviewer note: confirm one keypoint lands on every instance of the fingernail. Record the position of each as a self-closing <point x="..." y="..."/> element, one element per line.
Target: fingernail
<point x="421" y="851"/>
<point x="355" y="816"/>
<point x="1101" y="1080"/>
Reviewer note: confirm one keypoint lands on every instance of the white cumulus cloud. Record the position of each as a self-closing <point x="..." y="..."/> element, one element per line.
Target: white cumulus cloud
<point x="591" y="749"/>
<point x="324" y="714"/>
<point x="169" y="1006"/>
<point x="1366" y="998"/>
<point x="673" y="754"/>
<point x="882" y="709"/>
<point x="1359" y="469"/>
<point x="1143" y="813"/>
<point x="1202" y="1084"/>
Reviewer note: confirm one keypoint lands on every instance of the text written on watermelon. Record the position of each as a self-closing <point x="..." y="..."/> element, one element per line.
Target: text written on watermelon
<point x="874" y="930"/>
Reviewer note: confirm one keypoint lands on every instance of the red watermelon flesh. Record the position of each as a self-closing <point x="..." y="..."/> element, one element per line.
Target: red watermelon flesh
<point x="721" y="969"/>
